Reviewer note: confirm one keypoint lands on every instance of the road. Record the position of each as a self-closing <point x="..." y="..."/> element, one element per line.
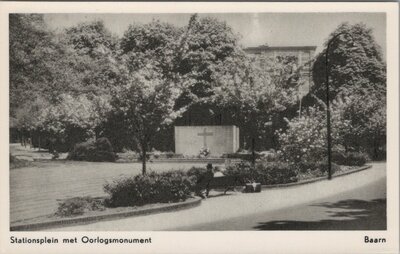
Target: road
<point x="353" y="202"/>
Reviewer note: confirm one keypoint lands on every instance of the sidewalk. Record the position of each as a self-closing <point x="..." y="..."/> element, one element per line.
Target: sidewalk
<point x="239" y="204"/>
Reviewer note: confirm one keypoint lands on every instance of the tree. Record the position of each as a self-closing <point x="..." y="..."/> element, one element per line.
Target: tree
<point x="94" y="58"/>
<point x="73" y="119"/>
<point x="357" y="73"/>
<point x="146" y="103"/>
<point x="354" y="62"/>
<point x="366" y="113"/>
<point x="226" y="82"/>
<point x="39" y="72"/>
<point x="155" y="43"/>
<point x="31" y="52"/>
<point x="146" y="99"/>
<point x="205" y="43"/>
<point x="254" y="96"/>
<point x="64" y="74"/>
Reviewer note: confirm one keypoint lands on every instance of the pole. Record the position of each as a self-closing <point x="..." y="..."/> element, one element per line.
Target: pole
<point x="328" y="111"/>
<point x="328" y="115"/>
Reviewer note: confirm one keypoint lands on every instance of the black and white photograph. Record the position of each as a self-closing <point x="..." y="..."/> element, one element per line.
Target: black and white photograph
<point x="198" y="121"/>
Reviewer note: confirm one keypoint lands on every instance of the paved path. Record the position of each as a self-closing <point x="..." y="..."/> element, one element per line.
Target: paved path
<point x="217" y="209"/>
<point x="363" y="208"/>
<point x="34" y="190"/>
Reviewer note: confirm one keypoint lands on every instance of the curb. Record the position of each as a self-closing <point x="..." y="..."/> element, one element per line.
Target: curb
<point x="315" y="179"/>
<point x="154" y="210"/>
<point x="94" y="218"/>
<point x="205" y="161"/>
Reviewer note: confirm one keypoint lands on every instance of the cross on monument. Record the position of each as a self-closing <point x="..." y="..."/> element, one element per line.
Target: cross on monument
<point x="205" y="134"/>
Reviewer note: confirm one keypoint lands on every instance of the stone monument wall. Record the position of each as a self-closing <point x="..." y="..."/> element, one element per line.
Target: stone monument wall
<point x="219" y="139"/>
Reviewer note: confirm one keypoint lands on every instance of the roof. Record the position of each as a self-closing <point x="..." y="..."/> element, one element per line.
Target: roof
<point x="269" y="48"/>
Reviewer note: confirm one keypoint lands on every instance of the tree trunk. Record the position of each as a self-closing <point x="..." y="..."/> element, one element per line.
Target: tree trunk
<point x="253" y="153"/>
<point x="30" y="139"/>
<point x="144" y="159"/>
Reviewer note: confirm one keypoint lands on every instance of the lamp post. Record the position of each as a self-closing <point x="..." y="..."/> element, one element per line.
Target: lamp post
<point x="328" y="112"/>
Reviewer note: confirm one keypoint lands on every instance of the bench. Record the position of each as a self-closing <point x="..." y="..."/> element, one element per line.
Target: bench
<point x="224" y="182"/>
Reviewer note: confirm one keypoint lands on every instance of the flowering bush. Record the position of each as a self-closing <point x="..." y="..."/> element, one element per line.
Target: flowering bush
<point x="306" y="137"/>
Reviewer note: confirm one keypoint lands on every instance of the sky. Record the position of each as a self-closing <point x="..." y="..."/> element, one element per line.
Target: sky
<point x="274" y="29"/>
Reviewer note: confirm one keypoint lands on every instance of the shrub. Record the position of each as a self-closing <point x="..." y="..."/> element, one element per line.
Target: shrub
<point x="78" y="206"/>
<point x="98" y="150"/>
<point x="350" y="158"/>
<point x="129" y="155"/>
<point x="18" y="163"/>
<point x="265" y="173"/>
<point x="316" y="168"/>
<point x="242" y="168"/>
<point x="276" y="173"/>
<point x="162" y="155"/>
<point x="148" y="156"/>
<point x="169" y="155"/>
<point x="171" y="186"/>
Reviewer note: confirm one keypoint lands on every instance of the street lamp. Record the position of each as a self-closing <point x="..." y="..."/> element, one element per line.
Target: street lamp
<point x="328" y="112"/>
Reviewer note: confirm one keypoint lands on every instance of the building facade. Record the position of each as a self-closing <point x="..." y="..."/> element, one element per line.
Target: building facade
<point x="303" y="54"/>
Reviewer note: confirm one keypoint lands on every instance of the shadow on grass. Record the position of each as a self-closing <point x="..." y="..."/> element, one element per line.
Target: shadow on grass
<point x="353" y="214"/>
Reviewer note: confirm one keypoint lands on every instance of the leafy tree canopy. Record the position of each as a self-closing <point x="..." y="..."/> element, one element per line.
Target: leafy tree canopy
<point x="91" y="38"/>
<point x="155" y="43"/>
<point x="32" y="51"/>
<point x="205" y="43"/>
<point x="354" y="62"/>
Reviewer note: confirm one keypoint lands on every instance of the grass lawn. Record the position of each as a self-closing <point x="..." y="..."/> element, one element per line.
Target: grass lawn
<point x="34" y="190"/>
